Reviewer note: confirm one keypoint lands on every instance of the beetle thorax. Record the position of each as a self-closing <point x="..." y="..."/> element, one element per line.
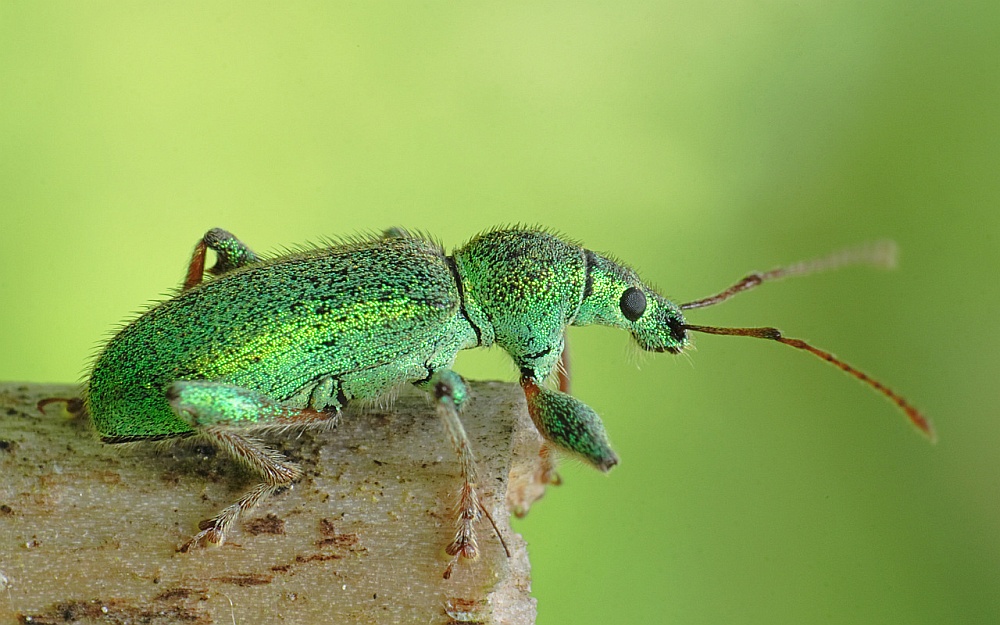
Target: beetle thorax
<point x="521" y="289"/>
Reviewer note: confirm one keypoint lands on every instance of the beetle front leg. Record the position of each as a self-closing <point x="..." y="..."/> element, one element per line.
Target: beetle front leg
<point x="569" y="424"/>
<point x="231" y="253"/>
<point x="223" y="413"/>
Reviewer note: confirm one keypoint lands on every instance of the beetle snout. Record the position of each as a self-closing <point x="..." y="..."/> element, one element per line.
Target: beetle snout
<point x="665" y="332"/>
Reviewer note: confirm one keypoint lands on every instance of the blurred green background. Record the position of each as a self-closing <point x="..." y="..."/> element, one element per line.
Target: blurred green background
<point x="696" y="141"/>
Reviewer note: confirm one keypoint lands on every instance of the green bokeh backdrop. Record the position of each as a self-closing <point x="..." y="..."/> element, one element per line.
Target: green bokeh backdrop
<point x="696" y="141"/>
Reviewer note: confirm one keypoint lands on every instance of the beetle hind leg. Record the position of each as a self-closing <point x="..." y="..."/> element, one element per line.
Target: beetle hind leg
<point x="230" y="252"/>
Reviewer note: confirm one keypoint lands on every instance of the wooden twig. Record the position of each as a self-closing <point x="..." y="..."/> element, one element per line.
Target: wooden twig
<point x="89" y="532"/>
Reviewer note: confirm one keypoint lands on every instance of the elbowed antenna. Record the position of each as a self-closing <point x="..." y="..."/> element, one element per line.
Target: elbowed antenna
<point x="880" y="254"/>
<point x="921" y="422"/>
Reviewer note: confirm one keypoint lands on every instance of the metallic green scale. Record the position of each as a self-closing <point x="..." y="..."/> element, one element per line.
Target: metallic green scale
<point x="370" y="316"/>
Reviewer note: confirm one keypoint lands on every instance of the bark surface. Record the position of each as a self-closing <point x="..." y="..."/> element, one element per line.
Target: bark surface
<point x="89" y="532"/>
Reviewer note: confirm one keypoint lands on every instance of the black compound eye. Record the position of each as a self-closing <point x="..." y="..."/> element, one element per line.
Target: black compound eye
<point x="633" y="303"/>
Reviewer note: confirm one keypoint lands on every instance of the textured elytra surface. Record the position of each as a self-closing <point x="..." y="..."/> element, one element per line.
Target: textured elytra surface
<point x="372" y="315"/>
<point x="89" y="532"/>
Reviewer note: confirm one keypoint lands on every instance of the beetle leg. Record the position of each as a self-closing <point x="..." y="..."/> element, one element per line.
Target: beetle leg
<point x="276" y="470"/>
<point x="568" y="423"/>
<point x="223" y="413"/>
<point x="546" y="473"/>
<point x="563" y="369"/>
<point x="450" y="392"/>
<point x="230" y="251"/>
<point x="395" y="232"/>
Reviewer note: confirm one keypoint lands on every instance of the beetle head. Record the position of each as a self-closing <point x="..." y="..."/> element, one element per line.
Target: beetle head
<point x="615" y="296"/>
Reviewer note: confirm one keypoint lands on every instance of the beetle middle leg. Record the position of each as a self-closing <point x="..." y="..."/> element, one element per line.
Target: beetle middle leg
<point x="223" y="414"/>
<point x="450" y="391"/>
<point x="276" y="470"/>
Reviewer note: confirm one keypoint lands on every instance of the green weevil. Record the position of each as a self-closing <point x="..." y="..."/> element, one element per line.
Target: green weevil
<point x="292" y="339"/>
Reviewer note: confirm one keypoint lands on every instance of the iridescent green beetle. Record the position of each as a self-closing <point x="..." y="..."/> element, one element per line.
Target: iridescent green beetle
<point x="290" y="340"/>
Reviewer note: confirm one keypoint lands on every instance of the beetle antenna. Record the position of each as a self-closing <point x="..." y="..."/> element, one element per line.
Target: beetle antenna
<point x="915" y="416"/>
<point x="880" y="254"/>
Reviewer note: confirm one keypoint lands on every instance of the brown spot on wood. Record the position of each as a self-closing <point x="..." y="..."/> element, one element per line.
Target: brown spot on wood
<point x="245" y="579"/>
<point x="108" y="477"/>
<point x="116" y="612"/>
<point x="340" y="540"/>
<point x="317" y="558"/>
<point x="270" y="524"/>
<point x="171" y="478"/>
<point x="468" y="611"/>
<point x="172" y="594"/>
<point x="327" y="528"/>
<point x="332" y="538"/>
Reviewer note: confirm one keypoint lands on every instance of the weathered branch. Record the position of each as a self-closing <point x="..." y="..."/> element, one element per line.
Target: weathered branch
<point x="89" y="532"/>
